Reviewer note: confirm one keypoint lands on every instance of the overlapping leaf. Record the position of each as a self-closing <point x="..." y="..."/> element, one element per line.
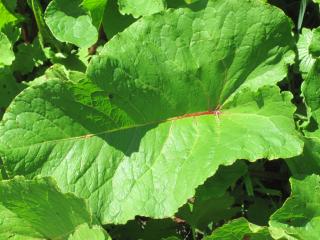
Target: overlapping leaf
<point x="311" y="91"/>
<point x="212" y="203"/>
<point x="113" y="21"/>
<point x="36" y="209"/>
<point x="69" y="22"/>
<point x="28" y="56"/>
<point x="306" y="56"/>
<point x="7" y="55"/>
<point x="96" y="9"/>
<point x="240" y="229"/>
<point x="84" y="232"/>
<point x="299" y="217"/>
<point x="140" y="8"/>
<point x="9" y="88"/>
<point x="158" y="115"/>
<point x="309" y="161"/>
<point x="6" y="16"/>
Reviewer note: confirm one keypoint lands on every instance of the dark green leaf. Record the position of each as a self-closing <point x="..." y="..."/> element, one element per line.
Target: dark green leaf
<point x="240" y="229"/>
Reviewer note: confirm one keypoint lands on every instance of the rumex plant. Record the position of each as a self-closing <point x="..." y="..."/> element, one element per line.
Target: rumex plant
<point x="159" y="119"/>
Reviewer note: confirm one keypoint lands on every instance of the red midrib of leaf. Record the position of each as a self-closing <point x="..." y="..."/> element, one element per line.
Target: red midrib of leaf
<point x="196" y="114"/>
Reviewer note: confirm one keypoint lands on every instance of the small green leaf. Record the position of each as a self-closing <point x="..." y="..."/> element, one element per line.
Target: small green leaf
<point x="69" y="22"/>
<point x="12" y="32"/>
<point x="140" y="8"/>
<point x="315" y="43"/>
<point x="28" y="56"/>
<point x="84" y="232"/>
<point x="44" y="34"/>
<point x="299" y="217"/>
<point x="7" y="55"/>
<point x="36" y="209"/>
<point x="113" y="21"/>
<point x="306" y="59"/>
<point x="240" y="229"/>
<point x="96" y="9"/>
<point x="6" y="16"/>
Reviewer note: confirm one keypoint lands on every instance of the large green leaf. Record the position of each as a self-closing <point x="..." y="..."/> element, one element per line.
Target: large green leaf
<point x="69" y="22"/>
<point x="139" y="8"/>
<point x="181" y="76"/>
<point x="140" y="134"/>
<point x="36" y="209"/>
<point x="240" y="229"/>
<point x="299" y="217"/>
<point x="56" y="139"/>
<point x="7" y="55"/>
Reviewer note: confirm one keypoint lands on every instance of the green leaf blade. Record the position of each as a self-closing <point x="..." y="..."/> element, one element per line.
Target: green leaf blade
<point x="306" y="59"/>
<point x="9" y="88"/>
<point x="299" y="217"/>
<point x="140" y="8"/>
<point x="36" y="209"/>
<point x="240" y="229"/>
<point x="195" y="81"/>
<point x="148" y="136"/>
<point x="84" y="232"/>
<point x="309" y="161"/>
<point x="68" y="22"/>
<point x="7" y="55"/>
<point x="96" y="9"/>
<point x="135" y="167"/>
<point x="6" y="16"/>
